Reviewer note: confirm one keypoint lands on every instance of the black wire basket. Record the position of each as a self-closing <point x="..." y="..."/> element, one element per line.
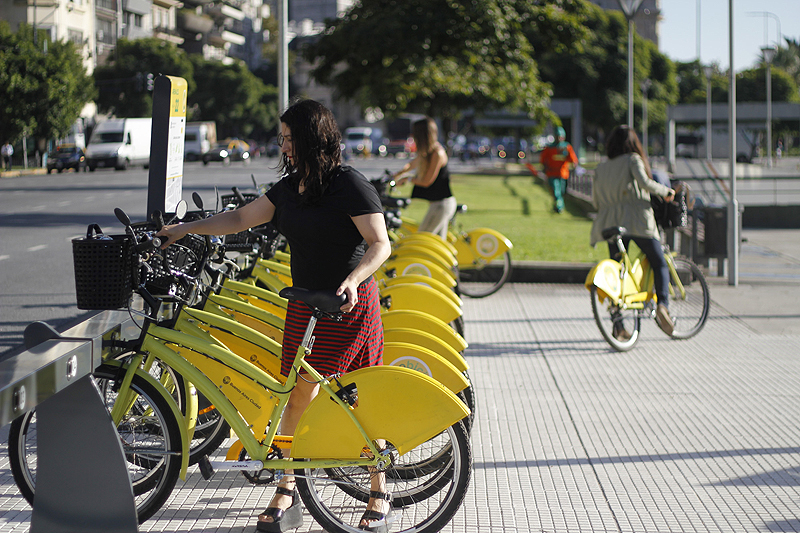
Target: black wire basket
<point x="106" y="270"/>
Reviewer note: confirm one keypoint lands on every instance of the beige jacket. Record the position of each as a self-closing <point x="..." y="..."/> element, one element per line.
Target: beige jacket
<point x="621" y="194"/>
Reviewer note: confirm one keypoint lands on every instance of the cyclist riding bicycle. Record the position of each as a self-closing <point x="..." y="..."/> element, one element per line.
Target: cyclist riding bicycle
<point x="621" y="193"/>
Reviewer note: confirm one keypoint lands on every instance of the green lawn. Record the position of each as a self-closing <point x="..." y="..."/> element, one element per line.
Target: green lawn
<point x="522" y="210"/>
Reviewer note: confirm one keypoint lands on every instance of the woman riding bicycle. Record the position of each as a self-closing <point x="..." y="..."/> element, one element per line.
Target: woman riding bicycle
<point x="332" y="218"/>
<point x="621" y="193"/>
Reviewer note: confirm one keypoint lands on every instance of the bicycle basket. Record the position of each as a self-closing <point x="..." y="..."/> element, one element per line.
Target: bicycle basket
<point x="105" y="270"/>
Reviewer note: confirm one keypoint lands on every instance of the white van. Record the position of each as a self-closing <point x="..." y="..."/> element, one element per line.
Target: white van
<point x="119" y="143"/>
<point x="358" y="141"/>
<point x="199" y="138"/>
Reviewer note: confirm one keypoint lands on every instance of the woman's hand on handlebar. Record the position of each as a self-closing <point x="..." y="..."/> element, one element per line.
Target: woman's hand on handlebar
<point x="172" y="233"/>
<point x="670" y="196"/>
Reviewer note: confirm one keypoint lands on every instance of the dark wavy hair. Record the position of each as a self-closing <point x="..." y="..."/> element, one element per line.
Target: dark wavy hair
<point x="623" y="140"/>
<point x="316" y="141"/>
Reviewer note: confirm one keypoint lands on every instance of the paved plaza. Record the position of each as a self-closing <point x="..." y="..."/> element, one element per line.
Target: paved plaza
<point x="701" y="435"/>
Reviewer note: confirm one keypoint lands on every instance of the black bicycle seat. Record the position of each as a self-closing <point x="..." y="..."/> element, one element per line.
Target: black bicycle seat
<point x="611" y="233"/>
<point x="326" y="300"/>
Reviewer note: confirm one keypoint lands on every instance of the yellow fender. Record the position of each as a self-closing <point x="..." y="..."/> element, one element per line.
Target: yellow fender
<point x="402" y="406"/>
<point x="423" y="360"/>
<point x="481" y="245"/>
<point x="424" y="339"/>
<point x="268" y="279"/>
<point x="426" y="282"/>
<point x="416" y="319"/>
<point x="439" y="255"/>
<point x="409" y="265"/>
<point x="427" y="239"/>
<point x="280" y="270"/>
<point x="415" y="296"/>
<point x="605" y="276"/>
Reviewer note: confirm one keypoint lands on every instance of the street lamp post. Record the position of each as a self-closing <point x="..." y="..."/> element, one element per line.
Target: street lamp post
<point x="769" y="54"/>
<point x="629" y="7"/>
<point x="645" y="87"/>
<point x="708" y="71"/>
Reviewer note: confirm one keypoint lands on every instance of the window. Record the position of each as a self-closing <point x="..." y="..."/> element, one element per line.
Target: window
<point x="75" y="36"/>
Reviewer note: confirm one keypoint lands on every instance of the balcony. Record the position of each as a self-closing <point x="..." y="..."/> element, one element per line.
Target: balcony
<point x="222" y="37"/>
<point x="191" y="22"/>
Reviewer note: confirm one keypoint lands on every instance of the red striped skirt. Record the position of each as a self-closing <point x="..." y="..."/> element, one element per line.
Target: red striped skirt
<point x="339" y="347"/>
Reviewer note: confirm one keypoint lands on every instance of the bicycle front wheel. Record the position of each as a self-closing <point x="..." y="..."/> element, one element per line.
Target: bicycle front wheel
<point x="150" y="438"/>
<point x="336" y="497"/>
<point x="479" y="280"/>
<point x="620" y="328"/>
<point x="689" y="299"/>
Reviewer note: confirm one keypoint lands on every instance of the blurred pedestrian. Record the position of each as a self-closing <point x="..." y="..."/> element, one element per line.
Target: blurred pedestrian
<point x="621" y="193"/>
<point x="432" y="180"/>
<point x="7" y="151"/>
<point x="557" y="159"/>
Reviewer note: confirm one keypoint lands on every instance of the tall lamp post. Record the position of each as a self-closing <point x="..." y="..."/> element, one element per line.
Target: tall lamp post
<point x="708" y="71"/>
<point x="629" y="7"/>
<point x="769" y="55"/>
<point x="645" y="87"/>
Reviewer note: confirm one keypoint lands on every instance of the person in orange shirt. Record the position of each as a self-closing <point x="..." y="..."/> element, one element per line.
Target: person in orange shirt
<point x="556" y="159"/>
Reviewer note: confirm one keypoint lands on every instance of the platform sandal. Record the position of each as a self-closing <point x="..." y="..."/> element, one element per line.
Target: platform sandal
<point x="283" y="520"/>
<point x="371" y="516"/>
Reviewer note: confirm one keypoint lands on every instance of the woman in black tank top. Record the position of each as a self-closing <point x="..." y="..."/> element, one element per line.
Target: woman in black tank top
<point x="432" y="180"/>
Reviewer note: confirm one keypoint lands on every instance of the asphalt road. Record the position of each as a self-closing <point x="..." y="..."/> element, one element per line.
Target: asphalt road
<point x="41" y="214"/>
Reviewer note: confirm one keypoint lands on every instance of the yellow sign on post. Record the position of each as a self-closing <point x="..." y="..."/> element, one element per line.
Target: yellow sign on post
<point x="165" y="186"/>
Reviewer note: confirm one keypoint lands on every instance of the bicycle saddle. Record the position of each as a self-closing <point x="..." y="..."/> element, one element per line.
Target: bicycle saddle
<point x="325" y="300"/>
<point x="610" y="233"/>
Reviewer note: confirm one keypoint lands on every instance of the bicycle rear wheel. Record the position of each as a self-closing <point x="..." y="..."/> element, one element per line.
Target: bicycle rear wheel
<point x="150" y="438"/>
<point x="689" y="311"/>
<point x="620" y="328"/>
<point x="336" y="497"/>
<point x="483" y="279"/>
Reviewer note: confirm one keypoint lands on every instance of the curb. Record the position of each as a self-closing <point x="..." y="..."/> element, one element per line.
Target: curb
<point x="26" y="172"/>
<point x="549" y="272"/>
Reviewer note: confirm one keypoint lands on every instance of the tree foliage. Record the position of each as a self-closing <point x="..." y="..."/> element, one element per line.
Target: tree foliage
<point x="43" y="86"/>
<point x="595" y="69"/>
<point x="232" y="96"/>
<point x="122" y="84"/>
<point x="440" y="57"/>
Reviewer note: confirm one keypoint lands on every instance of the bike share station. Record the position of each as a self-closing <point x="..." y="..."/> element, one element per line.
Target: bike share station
<point x="83" y="484"/>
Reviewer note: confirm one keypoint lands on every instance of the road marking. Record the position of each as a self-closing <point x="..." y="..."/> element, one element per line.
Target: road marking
<point x="38" y="208"/>
<point x="37" y="248"/>
<point x="64" y="203"/>
<point x="2" y="257"/>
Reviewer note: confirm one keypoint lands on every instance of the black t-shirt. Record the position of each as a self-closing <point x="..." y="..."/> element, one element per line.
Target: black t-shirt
<point x="325" y="243"/>
<point x="438" y="190"/>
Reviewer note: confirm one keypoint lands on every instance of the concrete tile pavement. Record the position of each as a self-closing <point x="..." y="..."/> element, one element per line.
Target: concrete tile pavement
<point x="701" y="435"/>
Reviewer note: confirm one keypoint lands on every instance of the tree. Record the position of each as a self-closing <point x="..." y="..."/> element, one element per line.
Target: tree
<point x="595" y="69"/>
<point x="788" y="59"/>
<point x="440" y="57"/>
<point x="122" y="85"/>
<point x="232" y="96"/>
<point x="42" y="88"/>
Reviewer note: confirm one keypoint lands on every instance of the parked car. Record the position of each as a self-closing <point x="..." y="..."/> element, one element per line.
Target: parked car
<point x="65" y="157"/>
<point x="227" y="151"/>
<point x="397" y="147"/>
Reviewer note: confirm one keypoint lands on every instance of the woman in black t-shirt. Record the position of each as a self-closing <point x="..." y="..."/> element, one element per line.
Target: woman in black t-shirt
<point x="332" y="218"/>
<point x="432" y="181"/>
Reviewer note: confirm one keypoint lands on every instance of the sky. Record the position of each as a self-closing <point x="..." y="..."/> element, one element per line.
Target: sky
<point x="755" y="25"/>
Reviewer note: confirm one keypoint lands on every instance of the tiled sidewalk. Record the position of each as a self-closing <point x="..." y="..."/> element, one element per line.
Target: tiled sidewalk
<point x="674" y="436"/>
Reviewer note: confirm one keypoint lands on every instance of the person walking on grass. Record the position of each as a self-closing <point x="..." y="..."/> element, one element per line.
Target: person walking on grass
<point x="557" y="158"/>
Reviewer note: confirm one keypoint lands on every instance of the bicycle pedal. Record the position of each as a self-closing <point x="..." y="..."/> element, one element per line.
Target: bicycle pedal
<point x="206" y="470"/>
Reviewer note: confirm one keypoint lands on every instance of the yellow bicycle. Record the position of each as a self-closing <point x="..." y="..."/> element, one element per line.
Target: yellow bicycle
<point x="622" y="294"/>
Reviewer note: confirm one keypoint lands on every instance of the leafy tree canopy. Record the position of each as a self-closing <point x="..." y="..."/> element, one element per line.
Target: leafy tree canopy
<point x="43" y="87"/>
<point x="595" y="70"/>
<point x="232" y="96"/>
<point x="441" y="57"/>
<point x="122" y="84"/>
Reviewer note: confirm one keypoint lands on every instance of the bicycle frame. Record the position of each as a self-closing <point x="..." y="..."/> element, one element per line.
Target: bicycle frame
<point x="236" y="388"/>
